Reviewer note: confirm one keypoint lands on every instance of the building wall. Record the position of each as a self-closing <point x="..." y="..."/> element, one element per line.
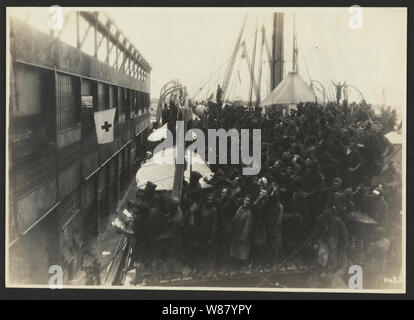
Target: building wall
<point x="63" y="184"/>
<point x="29" y="43"/>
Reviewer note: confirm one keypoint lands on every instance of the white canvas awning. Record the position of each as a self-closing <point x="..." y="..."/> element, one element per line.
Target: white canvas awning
<point x="159" y="134"/>
<point x="162" y="174"/>
<point x="292" y="90"/>
<point x="395" y="138"/>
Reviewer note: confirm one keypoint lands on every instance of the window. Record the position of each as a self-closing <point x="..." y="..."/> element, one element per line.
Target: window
<point x="120" y="98"/>
<point x="146" y="101"/>
<point x="127" y="103"/>
<point x="88" y="101"/>
<point x="113" y="101"/>
<point x="103" y="96"/>
<point x="32" y="110"/>
<point x="141" y="102"/>
<point x="135" y="94"/>
<point x="68" y="111"/>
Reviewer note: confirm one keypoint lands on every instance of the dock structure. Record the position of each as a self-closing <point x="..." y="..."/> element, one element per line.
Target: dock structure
<point x="62" y="183"/>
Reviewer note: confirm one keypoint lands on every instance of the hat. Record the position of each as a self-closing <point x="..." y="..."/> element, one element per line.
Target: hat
<point x="219" y="172"/>
<point x="348" y="192"/>
<point x="174" y="202"/>
<point x="297" y="181"/>
<point x="315" y="163"/>
<point x="286" y="155"/>
<point x="150" y="186"/>
<point x="195" y="176"/>
<point x="263" y="182"/>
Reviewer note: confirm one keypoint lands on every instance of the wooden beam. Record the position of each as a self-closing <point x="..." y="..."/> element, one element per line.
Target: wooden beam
<point x="84" y="36"/>
<point x="123" y="62"/>
<point x="65" y="22"/>
<point x="117" y="57"/>
<point x="107" y="51"/>
<point x="91" y="18"/>
<point x="96" y="35"/>
<point x="249" y="66"/>
<point x="268" y="52"/>
<point x="112" y="45"/>
<point x="100" y="42"/>
<point x="252" y="68"/>
<point x="27" y="17"/>
<point x="77" y="29"/>
<point x="259" y="76"/>
<point x="230" y="66"/>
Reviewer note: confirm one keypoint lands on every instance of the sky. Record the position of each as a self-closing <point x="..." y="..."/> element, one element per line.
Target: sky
<point x="195" y="44"/>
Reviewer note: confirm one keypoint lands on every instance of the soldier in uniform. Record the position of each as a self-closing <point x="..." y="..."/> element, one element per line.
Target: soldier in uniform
<point x="207" y="226"/>
<point x="242" y="225"/>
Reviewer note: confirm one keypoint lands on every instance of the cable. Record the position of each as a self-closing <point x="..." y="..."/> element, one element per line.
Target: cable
<point x="332" y="68"/>
<point x="294" y="253"/>
<point x="328" y="73"/>
<point x="344" y="63"/>
<point x="214" y="61"/>
<point x="323" y="79"/>
<point x="329" y="81"/>
<point x="318" y="58"/>
<point x="209" y="79"/>
<point x="234" y="81"/>
<point x="204" y="83"/>
<point x="306" y="63"/>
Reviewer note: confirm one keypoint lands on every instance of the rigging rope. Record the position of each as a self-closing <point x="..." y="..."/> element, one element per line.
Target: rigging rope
<point x="331" y="68"/>
<point x="331" y="72"/>
<point x="344" y="63"/>
<point x="233" y="81"/>
<point x="318" y="57"/>
<point x="214" y="61"/>
<point x="323" y="78"/>
<point x="306" y="63"/>
<point x="293" y="254"/>
<point x="326" y="67"/>
<point x="203" y="83"/>
<point x="329" y="79"/>
<point x="363" y="103"/>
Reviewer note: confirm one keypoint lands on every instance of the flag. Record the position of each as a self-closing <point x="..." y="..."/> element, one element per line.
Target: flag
<point x="104" y="124"/>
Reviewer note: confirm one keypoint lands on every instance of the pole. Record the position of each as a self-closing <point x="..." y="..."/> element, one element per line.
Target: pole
<point x="252" y="67"/>
<point x="272" y="62"/>
<point x="295" y="45"/>
<point x="180" y="168"/>
<point x="249" y="67"/>
<point x="363" y="103"/>
<point x="276" y="65"/>
<point x="323" y="89"/>
<point x="259" y="80"/>
<point x="230" y="66"/>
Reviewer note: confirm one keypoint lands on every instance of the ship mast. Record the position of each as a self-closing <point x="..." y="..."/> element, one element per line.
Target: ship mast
<point x="276" y="65"/>
<point x="252" y="81"/>
<point x="295" y="46"/>
<point x="230" y="66"/>
<point x="259" y="76"/>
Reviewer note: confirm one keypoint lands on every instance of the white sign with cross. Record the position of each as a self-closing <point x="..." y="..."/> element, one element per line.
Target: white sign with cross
<point x="104" y="124"/>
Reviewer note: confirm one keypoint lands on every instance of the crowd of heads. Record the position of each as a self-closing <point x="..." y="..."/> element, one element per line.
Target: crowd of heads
<point x="324" y="188"/>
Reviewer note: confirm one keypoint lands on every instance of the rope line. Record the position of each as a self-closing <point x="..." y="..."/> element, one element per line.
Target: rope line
<point x="294" y="253"/>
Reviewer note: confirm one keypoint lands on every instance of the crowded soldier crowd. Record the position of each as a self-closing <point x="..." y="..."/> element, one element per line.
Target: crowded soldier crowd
<point x="324" y="196"/>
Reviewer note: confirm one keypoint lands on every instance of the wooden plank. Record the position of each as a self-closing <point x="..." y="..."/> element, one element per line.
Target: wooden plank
<point x="84" y="36"/>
